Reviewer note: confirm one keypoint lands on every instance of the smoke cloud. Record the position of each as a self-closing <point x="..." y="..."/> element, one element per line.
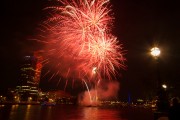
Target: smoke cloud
<point x="105" y="91"/>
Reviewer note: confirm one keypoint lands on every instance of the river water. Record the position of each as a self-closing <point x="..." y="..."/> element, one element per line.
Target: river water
<point x="72" y="112"/>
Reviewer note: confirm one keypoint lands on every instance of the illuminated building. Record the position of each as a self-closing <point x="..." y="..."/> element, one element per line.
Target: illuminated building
<point x="27" y="71"/>
<point x="28" y="83"/>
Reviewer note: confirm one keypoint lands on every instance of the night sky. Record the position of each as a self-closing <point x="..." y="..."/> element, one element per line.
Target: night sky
<point x="138" y="25"/>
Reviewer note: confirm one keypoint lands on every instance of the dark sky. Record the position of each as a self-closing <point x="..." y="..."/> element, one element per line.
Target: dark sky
<point x="138" y="25"/>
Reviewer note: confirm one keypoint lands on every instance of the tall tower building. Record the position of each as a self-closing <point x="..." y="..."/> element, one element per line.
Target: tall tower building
<point x="27" y="71"/>
<point x="28" y="83"/>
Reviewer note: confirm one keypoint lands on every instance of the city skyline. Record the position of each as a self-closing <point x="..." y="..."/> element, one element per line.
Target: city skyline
<point x="138" y="25"/>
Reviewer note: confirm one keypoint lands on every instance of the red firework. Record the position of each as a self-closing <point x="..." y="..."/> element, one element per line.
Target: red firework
<point x="80" y="40"/>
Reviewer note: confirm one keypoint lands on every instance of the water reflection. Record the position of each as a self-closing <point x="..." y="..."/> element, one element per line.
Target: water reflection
<point x="47" y="113"/>
<point x="94" y="113"/>
<point x="65" y="112"/>
<point x="27" y="113"/>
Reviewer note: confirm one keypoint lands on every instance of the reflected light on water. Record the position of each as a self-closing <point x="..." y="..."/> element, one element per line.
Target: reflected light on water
<point x="14" y="107"/>
<point x="95" y="113"/>
<point x="48" y="112"/>
<point x="90" y="112"/>
<point x="27" y="114"/>
<point x="65" y="112"/>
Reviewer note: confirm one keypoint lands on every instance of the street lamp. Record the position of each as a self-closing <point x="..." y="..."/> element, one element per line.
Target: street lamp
<point x="162" y="103"/>
<point x="155" y="52"/>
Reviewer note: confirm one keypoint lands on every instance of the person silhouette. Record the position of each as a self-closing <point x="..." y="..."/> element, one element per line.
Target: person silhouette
<point x="174" y="110"/>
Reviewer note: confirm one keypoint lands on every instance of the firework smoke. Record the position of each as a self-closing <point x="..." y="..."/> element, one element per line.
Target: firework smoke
<point x="106" y="91"/>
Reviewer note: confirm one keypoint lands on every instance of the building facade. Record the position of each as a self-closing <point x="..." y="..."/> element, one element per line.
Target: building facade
<point x="27" y="89"/>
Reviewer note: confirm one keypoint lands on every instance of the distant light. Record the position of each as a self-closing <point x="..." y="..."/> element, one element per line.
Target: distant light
<point x="164" y="86"/>
<point x="155" y="51"/>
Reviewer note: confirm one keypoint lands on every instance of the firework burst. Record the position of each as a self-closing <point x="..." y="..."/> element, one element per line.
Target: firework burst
<point x="79" y="39"/>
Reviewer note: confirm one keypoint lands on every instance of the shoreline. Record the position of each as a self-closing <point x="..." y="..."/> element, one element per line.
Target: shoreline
<point x="20" y="103"/>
